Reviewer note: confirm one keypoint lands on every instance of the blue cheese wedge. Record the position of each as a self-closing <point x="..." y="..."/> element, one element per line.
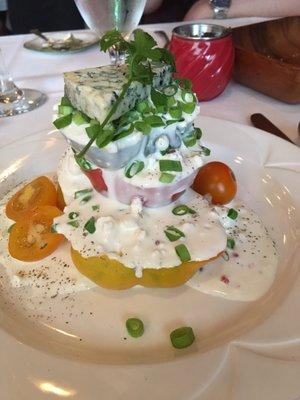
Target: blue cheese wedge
<point x="94" y="90"/>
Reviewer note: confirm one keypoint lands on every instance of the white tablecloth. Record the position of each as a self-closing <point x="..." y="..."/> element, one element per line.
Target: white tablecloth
<point x="44" y="72"/>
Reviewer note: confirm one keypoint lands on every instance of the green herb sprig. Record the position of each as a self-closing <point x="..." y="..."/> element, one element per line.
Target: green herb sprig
<point x="139" y="53"/>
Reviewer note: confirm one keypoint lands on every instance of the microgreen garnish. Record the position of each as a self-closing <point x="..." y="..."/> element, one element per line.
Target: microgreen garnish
<point x="170" y="165"/>
<point x="232" y="213"/>
<point x="173" y="233"/>
<point x="182" y="209"/>
<point x="140" y="51"/>
<point x="182" y="252"/>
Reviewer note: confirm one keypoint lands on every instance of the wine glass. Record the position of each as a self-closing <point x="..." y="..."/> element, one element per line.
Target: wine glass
<point x="104" y="15"/>
<point x="13" y="100"/>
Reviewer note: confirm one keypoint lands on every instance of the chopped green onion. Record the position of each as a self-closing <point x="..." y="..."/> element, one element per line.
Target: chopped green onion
<point x="225" y="255"/>
<point x="94" y="122"/>
<point x="129" y="117"/>
<point x="205" y="151"/>
<point x="171" y="102"/>
<point x="93" y="129"/>
<point x="142" y="127"/>
<point x="143" y="106"/>
<point x="190" y="140"/>
<point x="230" y="243"/>
<point x="96" y="207"/>
<point x="182" y="337"/>
<point x="85" y="199"/>
<point x="75" y="224"/>
<point x="79" y="118"/>
<point x="81" y="193"/>
<point x="173" y="233"/>
<point x="158" y="98"/>
<point x="53" y="228"/>
<point x="182" y="209"/>
<point x="170" y="90"/>
<point x="10" y="228"/>
<point x="166" y="178"/>
<point x="187" y="108"/>
<point x="73" y="214"/>
<point x="161" y="109"/>
<point x="104" y="138"/>
<point x="135" y="327"/>
<point x="62" y="122"/>
<point x="134" y="168"/>
<point x="170" y="165"/>
<point x="198" y="133"/>
<point x="187" y="97"/>
<point x="124" y="133"/>
<point x="90" y="225"/>
<point x="83" y="163"/>
<point x="65" y="110"/>
<point x="173" y="121"/>
<point x="175" y="112"/>
<point x="65" y="101"/>
<point x="154" y="121"/>
<point x="182" y="252"/>
<point x="232" y="213"/>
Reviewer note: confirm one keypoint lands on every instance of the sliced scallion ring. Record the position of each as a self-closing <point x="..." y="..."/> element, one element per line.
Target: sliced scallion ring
<point x="65" y="110"/>
<point x="170" y="165"/>
<point x="73" y="215"/>
<point x="175" y="112"/>
<point x="81" y="193"/>
<point x="198" y="133"/>
<point x="135" y="327"/>
<point x="83" y="163"/>
<point x="170" y="90"/>
<point x="134" y="168"/>
<point x="85" y="199"/>
<point x="142" y="127"/>
<point x="182" y="337"/>
<point x="182" y="252"/>
<point x="62" y="122"/>
<point x="90" y="225"/>
<point x="230" y="243"/>
<point x="187" y="108"/>
<point x="74" y="223"/>
<point x="166" y="178"/>
<point x="205" y="151"/>
<point x="182" y="209"/>
<point x="232" y="213"/>
<point x="187" y="97"/>
<point x="79" y="118"/>
<point x="154" y="121"/>
<point x="173" y="233"/>
<point x="65" y="101"/>
<point x="225" y="255"/>
<point x="96" y="207"/>
<point x="190" y="140"/>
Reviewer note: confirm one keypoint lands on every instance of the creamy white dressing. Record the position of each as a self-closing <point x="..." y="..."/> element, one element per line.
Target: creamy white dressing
<point x="49" y="277"/>
<point x="135" y="235"/>
<point x="249" y="270"/>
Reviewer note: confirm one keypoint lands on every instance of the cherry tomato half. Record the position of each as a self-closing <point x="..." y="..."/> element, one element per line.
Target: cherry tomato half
<point x="41" y="191"/>
<point x="218" y="180"/>
<point x="31" y="238"/>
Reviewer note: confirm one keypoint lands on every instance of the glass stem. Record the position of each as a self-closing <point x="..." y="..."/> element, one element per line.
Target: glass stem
<point x="117" y="56"/>
<point x="9" y="92"/>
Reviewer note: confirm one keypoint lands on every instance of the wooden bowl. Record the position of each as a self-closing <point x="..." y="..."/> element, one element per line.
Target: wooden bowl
<point x="268" y="58"/>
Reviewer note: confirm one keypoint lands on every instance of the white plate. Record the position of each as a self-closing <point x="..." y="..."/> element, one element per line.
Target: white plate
<point x="88" y="39"/>
<point x="243" y="350"/>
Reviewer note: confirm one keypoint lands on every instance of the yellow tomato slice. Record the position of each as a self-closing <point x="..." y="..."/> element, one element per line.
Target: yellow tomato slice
<point x="111" y="274"/>
<point x="41" y="191"/>
<point x="31" y="239"/>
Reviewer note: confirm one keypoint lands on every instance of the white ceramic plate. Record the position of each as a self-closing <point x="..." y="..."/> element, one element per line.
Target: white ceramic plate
<point x="37" y="44"/>
<point x="243" y="350"/>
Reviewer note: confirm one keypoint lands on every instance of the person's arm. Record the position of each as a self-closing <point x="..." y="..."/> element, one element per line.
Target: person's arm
<point x="247" y="8"/>
<point x="152" y="5"/>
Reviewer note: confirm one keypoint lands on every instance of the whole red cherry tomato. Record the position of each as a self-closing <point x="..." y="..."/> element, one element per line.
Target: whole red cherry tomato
<point x="218" y="180"/>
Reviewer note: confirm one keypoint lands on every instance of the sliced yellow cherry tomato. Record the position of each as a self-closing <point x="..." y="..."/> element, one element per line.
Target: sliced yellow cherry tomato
<point x="31" y="239"/>
<point x="111" y="274"/>
<point x="41" y="191"/>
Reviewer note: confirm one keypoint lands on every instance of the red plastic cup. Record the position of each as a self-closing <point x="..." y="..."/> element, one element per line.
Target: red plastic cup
<point x="203" y="53"/>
